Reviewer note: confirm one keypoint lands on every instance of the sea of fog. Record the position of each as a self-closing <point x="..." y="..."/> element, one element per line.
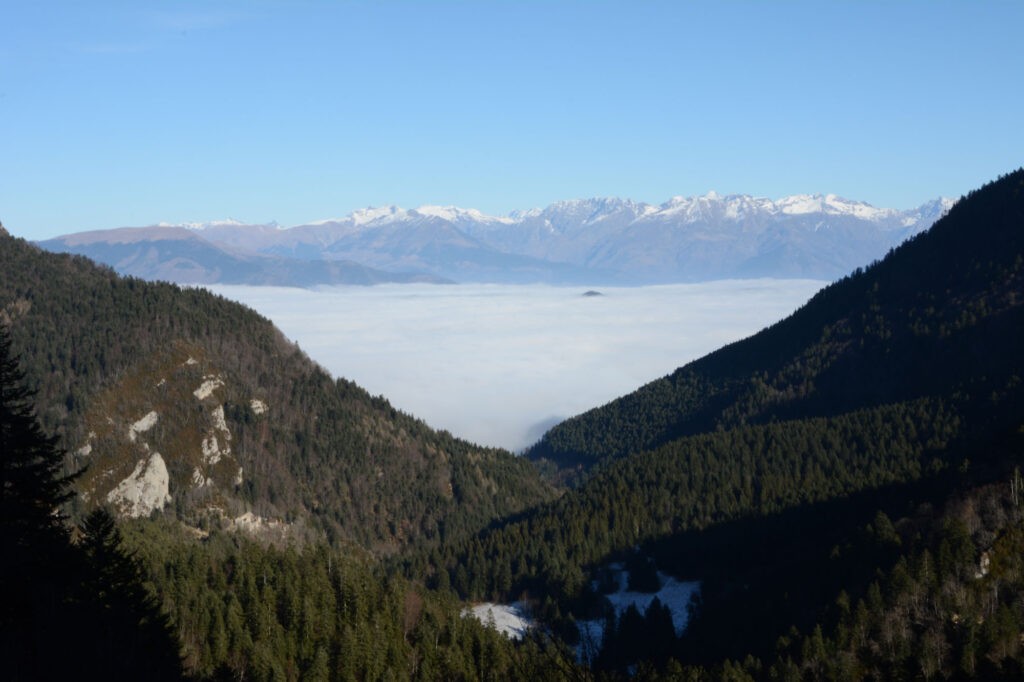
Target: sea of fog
<point x="499" y="364"/>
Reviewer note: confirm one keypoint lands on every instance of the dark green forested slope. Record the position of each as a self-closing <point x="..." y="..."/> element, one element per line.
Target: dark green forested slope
<point x="934" y="592"/>
<point x="76" y="602"/>
<point x="950" y="603"/>
<point x="763" y="469"/>
<point x="941" y="311"/>
<point x="701" y="481"/>
<point x="845" y="485"/>
<point x="242" y="609"/>
<point x="326" y="454"/>
<point x="248" y="611"/>
<point x="54" y="581"/>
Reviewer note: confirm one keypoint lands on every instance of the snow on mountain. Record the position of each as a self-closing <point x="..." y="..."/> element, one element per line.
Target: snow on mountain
<point x="520" y="215"/>
<point x="455" y="214"/>
<point x="830" y="204"/>
<point x="383" y="214"/>
<point x="711" y="206"/>
<point x="738" y="206"/>
<point x="580" y="241"/>
<point x="589" y="211"/>
<point x="199" y="226"/>
<point x="707" y="207"/>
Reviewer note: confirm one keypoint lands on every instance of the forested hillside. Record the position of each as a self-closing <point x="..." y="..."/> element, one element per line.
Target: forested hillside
<point x="177" y="603"/>
<point x="845" y="486"/>
<point x="768" y="469"/>
<point x="942" y="312"/>
<point x="128" y="372"/>
<point x="249" y="611"/>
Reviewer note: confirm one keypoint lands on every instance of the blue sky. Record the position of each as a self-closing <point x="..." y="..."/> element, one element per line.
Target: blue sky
<point x="129" y="113"/>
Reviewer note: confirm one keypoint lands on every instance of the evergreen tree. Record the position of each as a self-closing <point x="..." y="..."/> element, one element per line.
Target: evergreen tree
<point x="34" y="543"/>
<point x="33" y="488"/>
<point x="65" y="610"/>
<point x="137" y="640"/>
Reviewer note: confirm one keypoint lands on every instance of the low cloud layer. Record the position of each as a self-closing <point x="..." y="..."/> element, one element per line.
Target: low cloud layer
<point x="498" y="365"/>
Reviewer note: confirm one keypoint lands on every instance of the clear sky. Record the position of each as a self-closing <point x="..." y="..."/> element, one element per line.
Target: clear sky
<point x="131" y="113"/>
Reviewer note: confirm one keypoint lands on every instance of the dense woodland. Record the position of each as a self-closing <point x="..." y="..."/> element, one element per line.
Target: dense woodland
<point x="889" y="392"/>
<point x="328" y="453"/>
<point x="846" y="486"/>
<point x="81" y="596"/>
<point x="942" y="311"/>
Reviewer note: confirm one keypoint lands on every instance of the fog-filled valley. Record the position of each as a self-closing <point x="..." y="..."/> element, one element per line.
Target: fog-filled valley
<point x="499" y="364"/>
<point x="477" y="341"/>
<point x="228" y="504"/>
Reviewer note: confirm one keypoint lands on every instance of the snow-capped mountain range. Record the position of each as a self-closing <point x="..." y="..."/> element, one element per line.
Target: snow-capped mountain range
<point x="593" y="241"/>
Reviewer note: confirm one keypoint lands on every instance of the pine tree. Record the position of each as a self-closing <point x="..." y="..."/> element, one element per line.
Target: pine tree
<point x="35" y="552"/>
<point x="65" y="610"/>
<point x="137" y="639"/>
<point x="33" y="487"/>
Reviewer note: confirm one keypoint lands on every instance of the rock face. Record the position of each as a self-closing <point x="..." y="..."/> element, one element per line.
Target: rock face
<point x="145" y="490"/>
<point x="143" y="425"/>
<point x="178" y="450"/>
<point x="210" y="384"/>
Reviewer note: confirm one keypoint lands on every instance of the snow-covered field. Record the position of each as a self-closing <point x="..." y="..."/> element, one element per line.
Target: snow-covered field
<point x="675" y="594"/>
<point x="500" y="364"/>
<point x="512" y="620"/>
<point x="508" y="619"/>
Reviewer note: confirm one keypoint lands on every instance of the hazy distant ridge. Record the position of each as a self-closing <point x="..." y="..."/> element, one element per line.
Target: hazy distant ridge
<point x="610" y="240"/>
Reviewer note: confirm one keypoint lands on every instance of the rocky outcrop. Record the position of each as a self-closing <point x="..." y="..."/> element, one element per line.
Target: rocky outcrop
<point x="145" y="490"/>
<point x="181" y="448"/>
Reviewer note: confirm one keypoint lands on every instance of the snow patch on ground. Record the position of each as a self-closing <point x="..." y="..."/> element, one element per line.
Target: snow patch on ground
<point x="146" y="489"/>
<point x="191" y="361"/>
<point x="209" y="385"/>
<point x="141" y="426"/>
<point x="508" y="619"/>
<point x="258" y="406"/>
<point x="238" y="477"/>
<point x="675" y="594"/>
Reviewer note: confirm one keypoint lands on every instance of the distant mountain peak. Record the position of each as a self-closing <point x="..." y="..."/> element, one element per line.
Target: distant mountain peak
<point x="598" y="240"/>
<point x="831" y="204"/>
<point x="454" y="214"/>
<point x="525" y="214"/>
<point x="382" y="214"/>
<point x="588" y="211"/>
<point x="227" y="222"/>
<point x="705" y="206"/>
